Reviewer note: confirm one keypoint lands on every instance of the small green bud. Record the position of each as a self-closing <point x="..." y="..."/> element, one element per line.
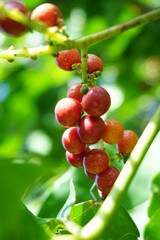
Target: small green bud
<point x="98" y="73"/>
<point x="84" y="89"/>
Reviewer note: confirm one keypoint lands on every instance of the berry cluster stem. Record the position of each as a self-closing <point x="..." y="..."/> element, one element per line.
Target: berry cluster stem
<point x="84" y="54"/>
<point x="104" y="216"/>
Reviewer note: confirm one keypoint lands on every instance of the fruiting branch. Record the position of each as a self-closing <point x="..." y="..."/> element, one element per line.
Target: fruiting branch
<point x="81" y="43"/>
<point x="117" y="29"/>
<point x="10" y="54"/>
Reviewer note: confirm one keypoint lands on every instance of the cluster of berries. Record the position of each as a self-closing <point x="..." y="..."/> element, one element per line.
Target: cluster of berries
<point x="81" y="111"/>
<point x="47" y="13"/>
<point x="81" y="114"/>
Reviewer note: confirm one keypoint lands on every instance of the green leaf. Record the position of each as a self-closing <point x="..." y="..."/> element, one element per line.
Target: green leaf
<point x="52" y="225"/>
<point x="152" y="230"/>
<point x="82" y="213"/>
<point x="155" y="200"/>
<point x="15" y="219"/>
<point x="65" y="210"/>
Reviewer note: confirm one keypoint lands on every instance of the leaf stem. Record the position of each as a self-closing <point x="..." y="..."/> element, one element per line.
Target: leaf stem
<point x="103" y="217"/>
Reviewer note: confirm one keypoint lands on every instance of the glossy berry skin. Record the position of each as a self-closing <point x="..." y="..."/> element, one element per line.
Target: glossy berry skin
<point x="128" y="142"/>
<point x="71" y="141"/>
<point x="94" y="63"/>
<point x="106" y="179"/>
<point x="102" y="195"/>
<point x="10" y="26"/>
<point x="67" y="58"/>
<point x="95" y="161"/>
<point x="113" y="131"/>
<point x="68" y="112"/>
<point x="90" y="129"/>
<point x="90" y="175"/>
<point x="76" y="160"/>
<point x="96" y="101"/>
<point x="75" y="92"/>
<point x="49" y="14"/>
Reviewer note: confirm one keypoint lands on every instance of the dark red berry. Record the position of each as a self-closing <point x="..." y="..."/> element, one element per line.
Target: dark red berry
<point x="71" y="141"/>
<point x="96" y="161"/>
<point x="106" y="179"/>
<point x="75" y="92"/>
<point x="128" y="142"/>
<point x="68" y="111"/>
<point x="49" y="14"/>
<point x="76" y="160"/>
<point x="90" y="175"/>
<point x="113" y="131"/>
<point x="10" y="26"/>
<point x="90" y="129"/>
<point x="67" y="58"/>
<point x="94" y="63"/>
<point x="96" y="101"/>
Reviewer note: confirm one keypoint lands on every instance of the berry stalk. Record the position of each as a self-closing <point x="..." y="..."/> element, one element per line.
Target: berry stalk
<point x="103" y="217"/>
<point x="84" y="54"/>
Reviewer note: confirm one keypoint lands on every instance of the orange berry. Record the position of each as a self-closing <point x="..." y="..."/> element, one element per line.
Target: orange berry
<point x="113" y="131"/>
<point x="128" y="142"/>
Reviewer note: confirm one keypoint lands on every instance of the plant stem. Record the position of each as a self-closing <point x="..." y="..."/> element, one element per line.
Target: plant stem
<point x="84" y="54"/>
<point x="104" y="216"/>
<point x="11" y="53"/>
<point x="83" y="42"/>
<point x="119" y="28"/>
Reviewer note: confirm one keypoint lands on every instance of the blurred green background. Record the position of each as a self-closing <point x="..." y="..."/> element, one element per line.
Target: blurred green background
<point x="29" y="90"/>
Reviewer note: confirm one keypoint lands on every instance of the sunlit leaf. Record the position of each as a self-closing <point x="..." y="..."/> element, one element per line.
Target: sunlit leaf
<point x="155" y="200"/>
<point x="152" y="230"/>
<point x="65" y="210"/>
<point x="82" y="213"/>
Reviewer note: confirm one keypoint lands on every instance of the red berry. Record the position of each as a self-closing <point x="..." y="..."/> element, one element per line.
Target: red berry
<point x="96" y="161"/>
<point x="96" y="101"/>
<point x="106" y="179"/>
<point x="68" y="112"/>
<point x="94" y="63"/>
<point x="71" y="141"/>
<point x="67" y="58"/>
<point x="90" y="175"/>
<point x="128" y="142"/>
<point x="76" y="160"/>
<point x="90" y="129"/>
<point x="10" y="26"/>
<point x="113" y="131"/>
<point x="74" y="92"/>
<point x="49" y="14"/>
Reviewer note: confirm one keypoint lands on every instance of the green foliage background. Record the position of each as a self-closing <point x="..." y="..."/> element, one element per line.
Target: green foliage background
<point x="30" y="137"/>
